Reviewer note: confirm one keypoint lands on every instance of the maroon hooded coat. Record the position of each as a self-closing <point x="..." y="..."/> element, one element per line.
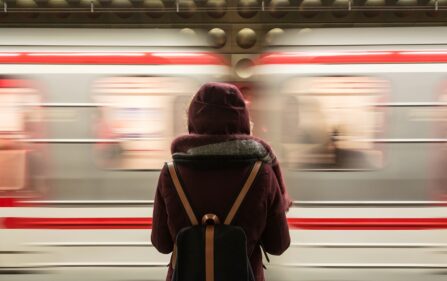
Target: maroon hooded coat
<point x="219" y="127"/>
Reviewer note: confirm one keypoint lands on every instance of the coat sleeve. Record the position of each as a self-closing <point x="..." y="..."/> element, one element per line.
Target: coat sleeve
<point x="287" y="201"/>
<point x="276" y="238"/>
<point x="160" y="235"/>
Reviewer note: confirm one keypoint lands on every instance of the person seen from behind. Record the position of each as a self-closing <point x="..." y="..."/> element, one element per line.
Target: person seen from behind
<point x="213" y="163"/>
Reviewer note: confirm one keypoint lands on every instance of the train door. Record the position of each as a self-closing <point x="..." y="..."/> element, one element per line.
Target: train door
<point x="440" y="150"/>
<point x="21" y="161"/>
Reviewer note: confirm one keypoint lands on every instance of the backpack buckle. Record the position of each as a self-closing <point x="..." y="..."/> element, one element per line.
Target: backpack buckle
<point x="210" y="219"/>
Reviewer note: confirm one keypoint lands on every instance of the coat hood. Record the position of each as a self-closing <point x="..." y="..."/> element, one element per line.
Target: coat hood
<point x="218" y="109"/>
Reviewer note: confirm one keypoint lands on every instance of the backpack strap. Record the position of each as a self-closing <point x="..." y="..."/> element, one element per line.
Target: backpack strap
<point x="209" y="252"/>
<point x="247" y="185"/>
<point x="181" y="193"/>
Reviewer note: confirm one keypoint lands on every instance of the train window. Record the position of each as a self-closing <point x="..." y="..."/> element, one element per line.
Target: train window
<point x="330" y="122"/>
<point x="135" y="124"/>
<point x="18" y="111"/>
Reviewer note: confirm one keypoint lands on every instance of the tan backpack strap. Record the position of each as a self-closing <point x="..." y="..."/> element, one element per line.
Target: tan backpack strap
<point x="248" y="183"/>
<point x="174" y="256"/>
<point x="181" y="193"/>
<point x="209" y="253"/>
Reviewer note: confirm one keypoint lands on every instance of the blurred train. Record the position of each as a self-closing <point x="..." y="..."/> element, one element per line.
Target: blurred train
<point x="357" y="117"/>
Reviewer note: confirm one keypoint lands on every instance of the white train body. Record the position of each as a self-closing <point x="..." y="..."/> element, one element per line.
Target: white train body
<point x="88" y="212"/>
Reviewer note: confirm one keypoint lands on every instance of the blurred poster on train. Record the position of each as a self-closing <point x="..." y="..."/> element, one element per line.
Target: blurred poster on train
<point x="332" y="122"/>
<point x="16" y="107"/>
<point x="10" y="114"/>
<point x="135" y="122"/>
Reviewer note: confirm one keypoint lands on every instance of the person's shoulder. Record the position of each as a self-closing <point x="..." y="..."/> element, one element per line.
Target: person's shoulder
<point x="266" y="166"/>
<point x="266" y="172"/>
<point x="164" y="169"/>
<point x="164" y="175"/>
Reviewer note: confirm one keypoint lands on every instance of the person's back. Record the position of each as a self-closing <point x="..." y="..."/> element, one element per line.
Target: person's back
<point x="214" y="161"/>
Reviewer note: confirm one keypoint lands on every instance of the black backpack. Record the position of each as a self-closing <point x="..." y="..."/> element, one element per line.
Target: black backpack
<point x="211" y="251"/>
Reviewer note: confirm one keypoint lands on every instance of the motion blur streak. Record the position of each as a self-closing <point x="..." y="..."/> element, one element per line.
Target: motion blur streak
<point x="294" y="223"/>
<point x="110" y="58"/>
<point x="335" y="57"/>
<point x="359" y="124"/>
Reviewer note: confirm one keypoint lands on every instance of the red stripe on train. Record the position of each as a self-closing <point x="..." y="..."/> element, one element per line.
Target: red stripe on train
<point x="15" y="83"/>
<point x="367" y="223"/>
<point x="294" y="223"/>
<point x="353" y="57"/>
<point x="77" y="223"/>
<point x="107" y="58"/>
<point x="8" y="202"/>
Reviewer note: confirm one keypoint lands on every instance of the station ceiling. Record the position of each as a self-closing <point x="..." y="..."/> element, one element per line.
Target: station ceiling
<point x="238" y="29"/>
